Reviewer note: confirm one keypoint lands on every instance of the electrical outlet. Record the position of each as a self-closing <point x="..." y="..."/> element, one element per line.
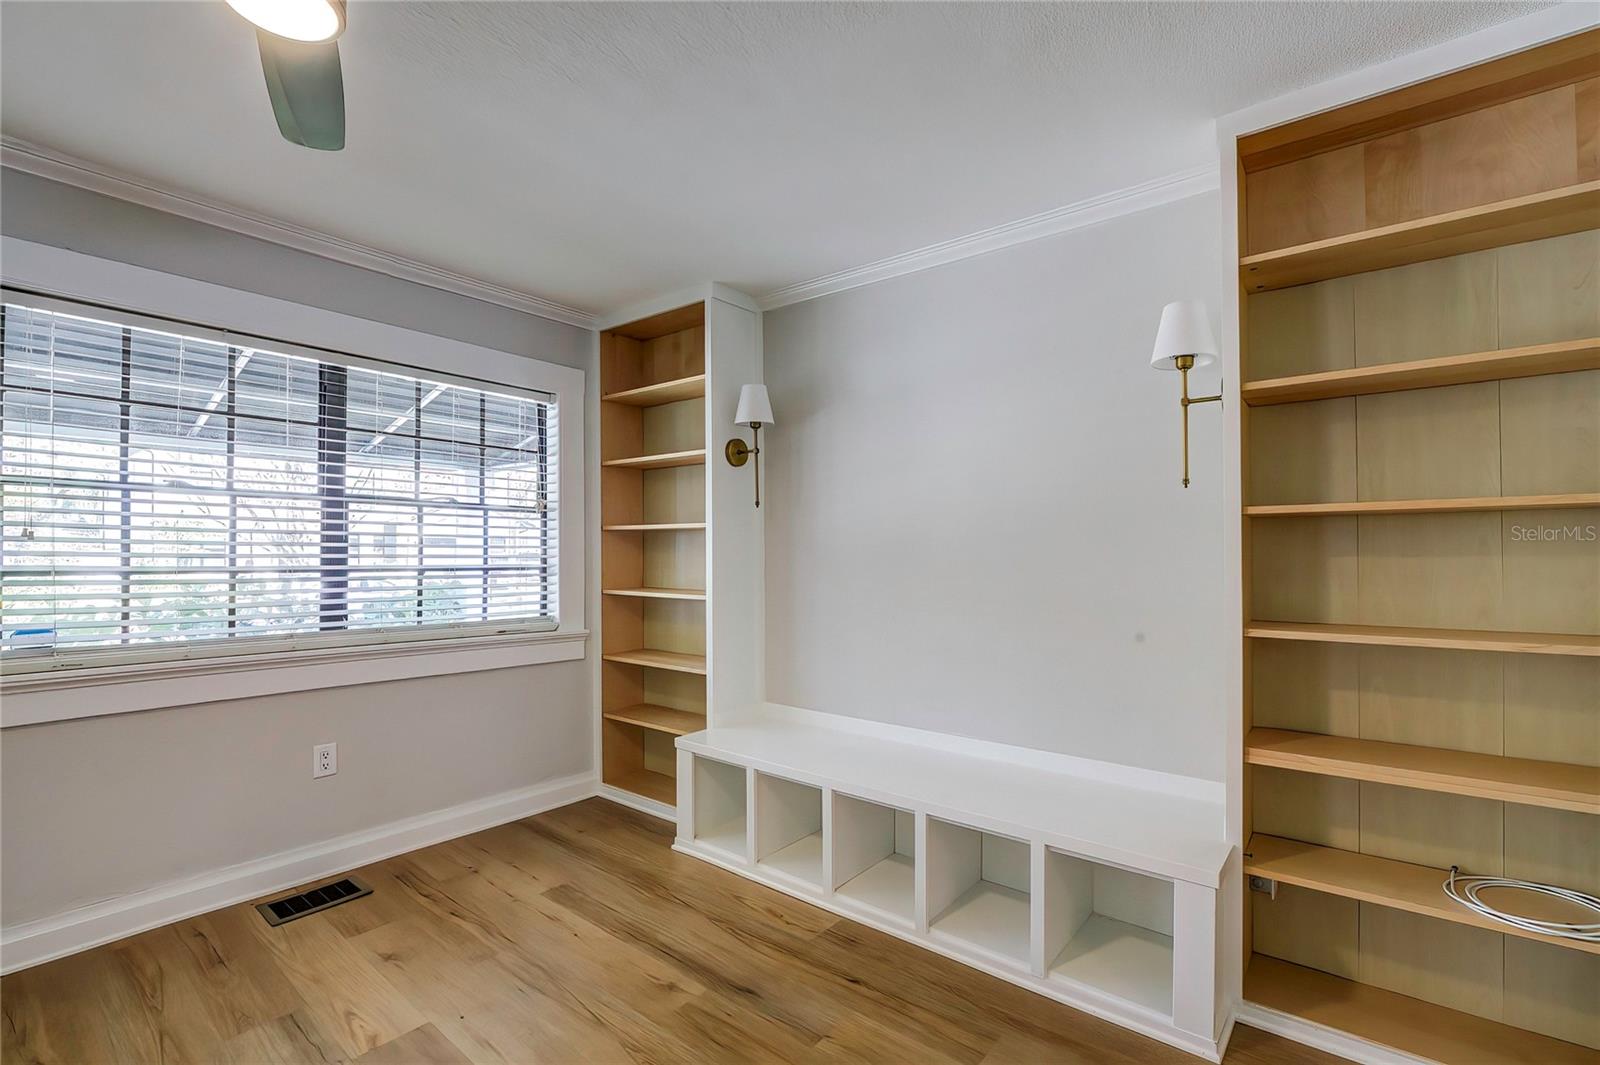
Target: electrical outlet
<point x="324" y="760"/>
<point x="1265" y="886"/>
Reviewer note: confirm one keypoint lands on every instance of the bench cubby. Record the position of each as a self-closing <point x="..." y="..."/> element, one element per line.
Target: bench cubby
<point x="789" y="830"/>
<point x="720" y="805"/>
<point x="977" y="891"/>
<point x="1109" y="929"/>
<point x="874" y="858"/>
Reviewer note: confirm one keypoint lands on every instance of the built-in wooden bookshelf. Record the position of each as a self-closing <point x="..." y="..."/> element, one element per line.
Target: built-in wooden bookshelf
<point x="653" y="547"/>
<point x="681" y="557"/>
<point x="1419" y="288"/>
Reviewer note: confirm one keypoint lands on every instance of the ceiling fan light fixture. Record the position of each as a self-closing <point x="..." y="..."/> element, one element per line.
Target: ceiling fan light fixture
<point x="297" y="20"/>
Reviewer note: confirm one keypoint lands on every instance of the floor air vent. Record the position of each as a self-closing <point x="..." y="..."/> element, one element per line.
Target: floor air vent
<point x="314" y="901"/>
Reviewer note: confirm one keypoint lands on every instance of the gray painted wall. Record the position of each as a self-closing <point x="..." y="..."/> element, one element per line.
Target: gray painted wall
<point x="101" y="807"/>
<point x="974" y="517"/>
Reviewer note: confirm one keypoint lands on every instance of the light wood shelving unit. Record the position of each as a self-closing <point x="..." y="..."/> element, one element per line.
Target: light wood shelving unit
<point x="1419" y="286"/>
<point x="680" y="538"/>
<point x="653" y="547"/>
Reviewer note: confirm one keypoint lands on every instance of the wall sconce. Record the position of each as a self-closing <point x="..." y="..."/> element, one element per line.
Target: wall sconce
<point x="755" y="410"/>
<point x="1184" y="342"/>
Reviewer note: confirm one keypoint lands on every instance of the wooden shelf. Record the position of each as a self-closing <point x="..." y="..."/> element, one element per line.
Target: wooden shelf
<point x="669" y="660"/>
<point x="1535" y="643"/>
<point x="1426" y="506"/>
<point x="648" y="783"/>
<point x="661" y="392"/>
<point x="1556" y="785"/>
<point x="1399" y="1021"/>
<point x="692" y="594"/>
<point x="1503" y="364"/>
<point x="1492" y="225"/>
<point x="659" y="718"/>
<point x="659" y="526"/>
<point x="697" y="457"/>
<point x="1398" y="885"/>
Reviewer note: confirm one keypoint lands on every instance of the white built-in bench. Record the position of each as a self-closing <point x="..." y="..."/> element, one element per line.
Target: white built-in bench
<point x="1093" y="884"/>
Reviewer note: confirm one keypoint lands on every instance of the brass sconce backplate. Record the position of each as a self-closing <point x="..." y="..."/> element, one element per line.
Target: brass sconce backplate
<point x="737" y="451"/>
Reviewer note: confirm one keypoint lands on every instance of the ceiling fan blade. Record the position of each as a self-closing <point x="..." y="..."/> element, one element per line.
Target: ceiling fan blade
<point x="306" y="86"/>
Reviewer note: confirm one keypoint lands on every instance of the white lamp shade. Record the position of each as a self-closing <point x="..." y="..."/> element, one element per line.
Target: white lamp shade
<point x="1185" y="330"/>
<point x="754" y="406"/>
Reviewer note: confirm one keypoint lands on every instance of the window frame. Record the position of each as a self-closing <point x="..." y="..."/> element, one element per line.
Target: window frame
<point x="51" y="278"/>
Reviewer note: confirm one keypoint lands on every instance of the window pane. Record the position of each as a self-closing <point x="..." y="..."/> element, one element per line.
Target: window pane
<point x="160" y="489"/>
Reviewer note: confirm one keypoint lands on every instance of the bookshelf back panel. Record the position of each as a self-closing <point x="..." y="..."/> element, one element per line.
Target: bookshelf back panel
<point x="627" y="363"/>
<point x="1539" y="292"/>
<point x="1550" y="434"/>
<point x="675" y="494"/>
<point x="1537" y="986"/>
<point x="674" y="558"/>
<point x="1544" y="707"/>
<point x="674" y="625"/>
<point x="1429" y="828"/>
<point x="670" y="427"/>
<point x="659" y="755"/>
<point x="1494" y="570"/>
<point x="679" y="691"/>
<point x="1516" y="148"/>
<point x="1529" y="436"/>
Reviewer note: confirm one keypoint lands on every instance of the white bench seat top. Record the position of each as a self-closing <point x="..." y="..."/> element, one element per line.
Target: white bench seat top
<point x="1147" y="830"/>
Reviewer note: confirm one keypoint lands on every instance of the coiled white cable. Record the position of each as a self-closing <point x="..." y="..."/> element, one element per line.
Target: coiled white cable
<point x="1464" y="889"/>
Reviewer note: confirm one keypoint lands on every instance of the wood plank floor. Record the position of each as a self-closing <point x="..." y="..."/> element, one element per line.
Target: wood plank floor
<point x="573" y="936"/>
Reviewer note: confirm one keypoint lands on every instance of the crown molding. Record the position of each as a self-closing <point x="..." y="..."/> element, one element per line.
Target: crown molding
<point x="1088" y="212"/>
<point x="58" y="166"/>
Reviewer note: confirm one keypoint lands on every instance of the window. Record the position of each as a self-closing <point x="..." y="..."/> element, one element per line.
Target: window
<point x="168" y="494"/>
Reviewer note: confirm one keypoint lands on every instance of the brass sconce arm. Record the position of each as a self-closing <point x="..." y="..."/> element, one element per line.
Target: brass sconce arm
<point x="1185" y="363"/>
<point x="738" y="453"/>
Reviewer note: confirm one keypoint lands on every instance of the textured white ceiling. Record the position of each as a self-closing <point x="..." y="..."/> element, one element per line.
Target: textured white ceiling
<point x="595" y="154"/>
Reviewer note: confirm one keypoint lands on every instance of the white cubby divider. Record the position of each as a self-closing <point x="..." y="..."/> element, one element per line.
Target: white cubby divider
<point x="1096" y="891"/>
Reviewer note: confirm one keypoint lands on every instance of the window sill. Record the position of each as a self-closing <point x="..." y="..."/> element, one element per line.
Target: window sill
<point x="64" y="695"/>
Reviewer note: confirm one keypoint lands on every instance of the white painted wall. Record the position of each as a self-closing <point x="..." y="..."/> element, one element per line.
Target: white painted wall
<point x="973" y="512"/>
<point x="96" y="809"/>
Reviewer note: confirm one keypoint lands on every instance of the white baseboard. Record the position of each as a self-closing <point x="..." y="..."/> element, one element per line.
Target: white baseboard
<point x="48" y="938"/>
<point x="1320" y="1036"/>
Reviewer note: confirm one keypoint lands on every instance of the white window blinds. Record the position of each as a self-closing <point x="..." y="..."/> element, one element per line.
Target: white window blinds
<point x="172" y="495"/>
